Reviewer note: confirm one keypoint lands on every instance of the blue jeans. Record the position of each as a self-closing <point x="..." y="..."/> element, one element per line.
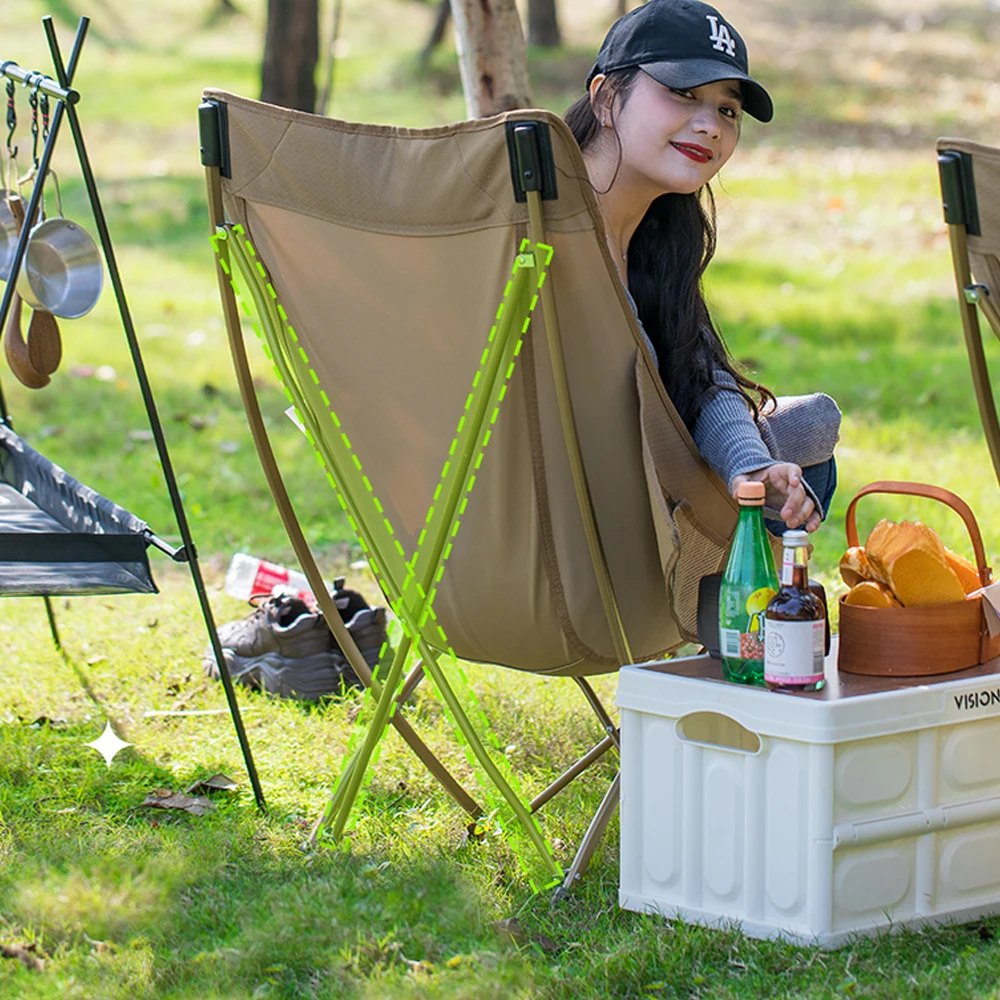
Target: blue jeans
<point x="822" y="479"/>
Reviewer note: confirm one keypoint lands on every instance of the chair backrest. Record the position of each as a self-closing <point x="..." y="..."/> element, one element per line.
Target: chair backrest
<point x="970" y="188"/>
<point x="983" y="235"/>
<point x="389" y="249"/>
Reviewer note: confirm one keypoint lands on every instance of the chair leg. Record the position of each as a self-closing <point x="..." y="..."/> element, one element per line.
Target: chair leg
<point x="592" y="837"/>
<point x="413" y="679"/>
<point x="599" y="710"/>
<point x="592" y="755"/>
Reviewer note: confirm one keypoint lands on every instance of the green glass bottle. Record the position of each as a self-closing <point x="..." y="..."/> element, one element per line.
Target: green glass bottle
<point x="748" y="584"/>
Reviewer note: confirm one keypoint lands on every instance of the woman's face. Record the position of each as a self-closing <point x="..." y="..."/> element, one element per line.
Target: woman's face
<point x="675" y="141"/>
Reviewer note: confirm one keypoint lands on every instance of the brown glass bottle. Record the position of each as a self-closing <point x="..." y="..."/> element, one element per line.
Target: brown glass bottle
<point x="795" y="624"/>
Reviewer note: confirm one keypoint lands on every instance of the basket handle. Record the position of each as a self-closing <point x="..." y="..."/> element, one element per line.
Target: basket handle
<point x="939" y="493"/>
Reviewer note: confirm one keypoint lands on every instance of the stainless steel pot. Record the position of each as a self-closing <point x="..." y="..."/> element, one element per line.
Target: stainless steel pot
<point x="62" y="272"/>
<point x="8" y="234"/>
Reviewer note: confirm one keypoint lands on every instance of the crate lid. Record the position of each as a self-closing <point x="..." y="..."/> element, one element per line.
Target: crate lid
<point x="849" y="707"/>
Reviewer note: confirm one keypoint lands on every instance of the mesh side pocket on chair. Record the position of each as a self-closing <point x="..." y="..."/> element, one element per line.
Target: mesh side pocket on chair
<point x="702" y="552"/>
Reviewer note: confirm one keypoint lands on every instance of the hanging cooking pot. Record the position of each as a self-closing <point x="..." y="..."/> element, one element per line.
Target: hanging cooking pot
<point x="62" y="272"/>
<point x="9" y="226"/>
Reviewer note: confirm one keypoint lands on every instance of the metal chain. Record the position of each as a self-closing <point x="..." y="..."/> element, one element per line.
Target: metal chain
<point x="33" y="104"/>
<point x="44" y="108"/>
<point x="11" y="118"/>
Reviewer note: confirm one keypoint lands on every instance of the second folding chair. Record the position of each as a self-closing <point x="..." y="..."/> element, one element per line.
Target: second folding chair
<point x="970" y="188"/>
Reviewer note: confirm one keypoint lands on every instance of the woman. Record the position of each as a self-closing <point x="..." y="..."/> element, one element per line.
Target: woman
<point x="661" y="116"/>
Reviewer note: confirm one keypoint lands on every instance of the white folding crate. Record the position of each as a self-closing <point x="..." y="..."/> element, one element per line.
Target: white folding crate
<point x="812" y="817"/>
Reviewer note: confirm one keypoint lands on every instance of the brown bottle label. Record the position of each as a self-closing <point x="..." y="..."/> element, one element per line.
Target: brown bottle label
<point x="793" y="653"/>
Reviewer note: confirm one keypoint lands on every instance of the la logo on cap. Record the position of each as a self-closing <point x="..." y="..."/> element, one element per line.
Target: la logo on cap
<point x="724" y="41"/>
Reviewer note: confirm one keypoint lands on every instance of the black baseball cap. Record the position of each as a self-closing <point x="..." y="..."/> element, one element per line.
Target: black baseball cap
<point x="682" y="43"/>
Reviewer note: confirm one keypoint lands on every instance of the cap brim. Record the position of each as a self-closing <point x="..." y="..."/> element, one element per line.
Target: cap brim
<point x="698" y="72"/>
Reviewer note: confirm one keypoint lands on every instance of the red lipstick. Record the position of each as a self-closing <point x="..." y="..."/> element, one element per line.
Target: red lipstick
<point x="693" y="151"/>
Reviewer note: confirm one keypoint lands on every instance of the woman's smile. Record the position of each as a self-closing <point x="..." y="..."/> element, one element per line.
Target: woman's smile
<point x="695" y="152"/>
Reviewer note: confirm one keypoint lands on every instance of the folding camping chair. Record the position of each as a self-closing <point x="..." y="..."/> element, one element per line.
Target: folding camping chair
<point x="394" y="275"/>
<point x="970" y="188"/>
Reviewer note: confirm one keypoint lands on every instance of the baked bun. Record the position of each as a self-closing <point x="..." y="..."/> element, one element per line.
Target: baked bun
<point x="854" y="566"/>
<point x="968" y="575"/>
<point x="869" y="594"/>
<point x="909" y="558"/>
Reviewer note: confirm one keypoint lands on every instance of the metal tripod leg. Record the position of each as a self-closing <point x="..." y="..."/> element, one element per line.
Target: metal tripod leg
<point x="52" y="622"/>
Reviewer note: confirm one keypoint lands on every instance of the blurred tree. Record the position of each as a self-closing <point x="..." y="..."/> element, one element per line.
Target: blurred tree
<point x="436" y="36"/>
<point x="543" y="23"/>
<point x="492" y="56"/>
<point x="221" y="10"/>
<point x="291" y="50"/>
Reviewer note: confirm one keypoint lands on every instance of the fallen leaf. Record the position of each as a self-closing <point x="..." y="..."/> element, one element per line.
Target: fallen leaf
<point x="418" y="967"/>
<point x="163" y="798"/>
<point x="44" y="720"/>
<point x="215" y="783"/>
<point x="23" y="955"/>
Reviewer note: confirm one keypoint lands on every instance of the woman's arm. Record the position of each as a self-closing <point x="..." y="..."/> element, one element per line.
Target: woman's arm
<point x="729" y="440"/>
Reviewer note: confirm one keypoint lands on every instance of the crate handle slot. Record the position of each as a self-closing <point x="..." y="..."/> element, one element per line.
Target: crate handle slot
<point x="712" y="729"/>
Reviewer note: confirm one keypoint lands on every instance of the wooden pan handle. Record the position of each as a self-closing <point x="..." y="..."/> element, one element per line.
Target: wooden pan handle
<point x="949" y="499"/>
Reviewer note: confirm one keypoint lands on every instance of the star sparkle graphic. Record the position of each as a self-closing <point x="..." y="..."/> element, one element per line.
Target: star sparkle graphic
<point x="108" y="744"/>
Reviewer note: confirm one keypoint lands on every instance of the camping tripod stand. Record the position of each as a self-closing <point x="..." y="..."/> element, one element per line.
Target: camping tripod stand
<point x="66" y="98"/>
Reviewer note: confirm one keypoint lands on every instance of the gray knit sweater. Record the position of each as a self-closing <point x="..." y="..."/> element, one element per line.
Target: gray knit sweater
<point x="800" y="429"/>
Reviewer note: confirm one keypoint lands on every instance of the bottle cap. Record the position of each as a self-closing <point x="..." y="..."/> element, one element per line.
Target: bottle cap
<point x="750" y="494"/>
<point x="795" y="538"/>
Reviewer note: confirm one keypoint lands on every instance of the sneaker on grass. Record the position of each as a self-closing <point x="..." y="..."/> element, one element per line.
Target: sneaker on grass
<point x="286" y="649"/>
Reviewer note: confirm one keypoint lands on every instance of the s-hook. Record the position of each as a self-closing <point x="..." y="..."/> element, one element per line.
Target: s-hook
<point x="11" y="112"/>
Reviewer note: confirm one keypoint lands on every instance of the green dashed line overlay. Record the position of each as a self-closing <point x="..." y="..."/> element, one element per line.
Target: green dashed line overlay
<point x="412" y="600"/>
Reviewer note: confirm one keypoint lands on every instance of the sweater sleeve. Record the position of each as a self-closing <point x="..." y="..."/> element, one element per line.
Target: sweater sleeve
<point x="726" y="434"/>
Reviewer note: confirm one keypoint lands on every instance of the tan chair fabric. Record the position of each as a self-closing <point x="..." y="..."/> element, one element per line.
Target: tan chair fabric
<point x="389" y="249"/>
<point x="984" y="250"/>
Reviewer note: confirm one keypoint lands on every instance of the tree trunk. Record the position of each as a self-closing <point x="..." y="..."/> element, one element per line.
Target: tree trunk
<point x="436" y="36"/>
<point x="291" y="50"/>
<point x="543" y="23"/>
<point x="492" y="56"/>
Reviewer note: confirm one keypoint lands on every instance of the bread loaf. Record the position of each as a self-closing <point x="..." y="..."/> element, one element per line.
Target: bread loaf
<point x="854" y="566"/>
<point x="910" y="560"/>
<point x="968" y="575"/>
<point x="869" y="594"/>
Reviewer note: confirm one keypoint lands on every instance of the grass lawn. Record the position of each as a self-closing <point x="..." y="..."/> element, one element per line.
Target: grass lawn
<point x="833" y="273"/>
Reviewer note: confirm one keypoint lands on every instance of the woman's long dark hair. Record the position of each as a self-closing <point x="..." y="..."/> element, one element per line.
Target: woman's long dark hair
<point x="667" y="257"/>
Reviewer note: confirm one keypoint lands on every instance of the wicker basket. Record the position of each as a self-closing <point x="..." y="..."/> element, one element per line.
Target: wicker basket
<point x="916" y="641"/>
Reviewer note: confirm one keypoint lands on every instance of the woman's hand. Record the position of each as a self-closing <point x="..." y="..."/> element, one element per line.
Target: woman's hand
<point x="785" y="492"/>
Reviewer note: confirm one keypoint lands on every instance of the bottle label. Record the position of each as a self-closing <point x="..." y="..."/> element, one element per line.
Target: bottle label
<point x="787" y="566"/>
<point x="793" y="652"/>
<point x="744" y="610"/>
<point x="737" y="645"/>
